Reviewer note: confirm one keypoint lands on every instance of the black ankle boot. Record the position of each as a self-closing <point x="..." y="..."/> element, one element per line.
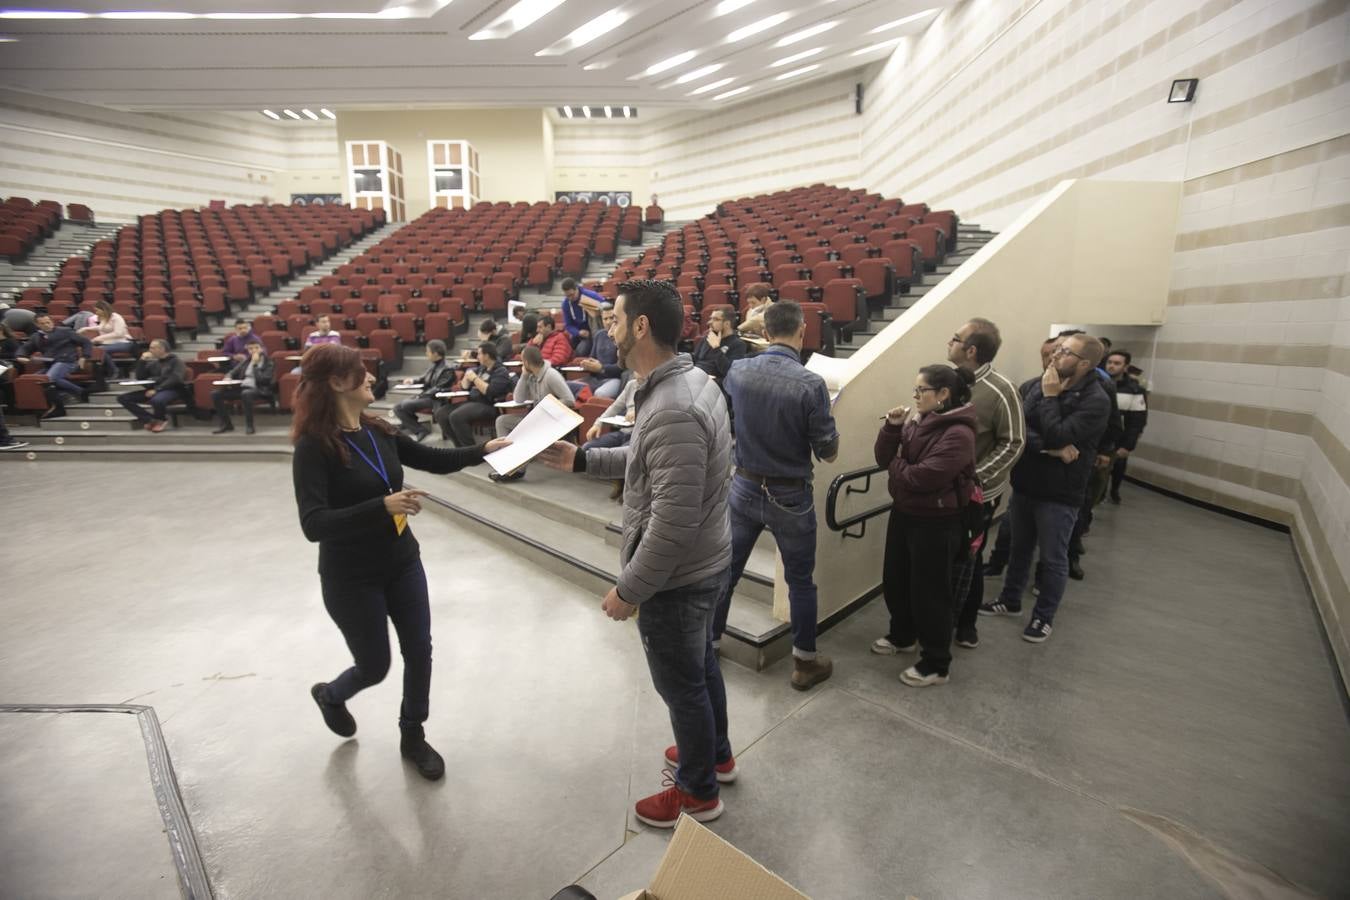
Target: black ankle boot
<point x="415" y="748"/>
<point x="335" y="715"/>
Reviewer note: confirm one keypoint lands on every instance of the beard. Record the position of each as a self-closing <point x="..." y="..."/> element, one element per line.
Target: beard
<point x="625" y="347"/>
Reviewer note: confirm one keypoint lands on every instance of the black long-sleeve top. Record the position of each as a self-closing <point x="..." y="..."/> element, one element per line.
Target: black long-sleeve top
<point x="342" y="507"/>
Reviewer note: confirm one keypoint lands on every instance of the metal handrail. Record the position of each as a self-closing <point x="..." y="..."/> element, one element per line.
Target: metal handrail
<point x="859" y="519"/>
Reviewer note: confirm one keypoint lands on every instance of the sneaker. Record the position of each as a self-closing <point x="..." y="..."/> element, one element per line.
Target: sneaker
<point x="919" y="675"/>
<point x="882" y="646"/>
<point x="726" y="772"/>
<point x="335" y="715"/>
<point x="1037" y="631"/>
<point x="250" y="430"/>
<point x="14" y="445"/>
<point x="967" y="637"/>
<point x="663" y="810"/>
<point x="1075" y="569"/>
<point x="414" y="748"/>
<point x="157" y="426"/>
<point x="53" y="412"/>
<point x="999" y="608"/>
<point x="807" y="673"/>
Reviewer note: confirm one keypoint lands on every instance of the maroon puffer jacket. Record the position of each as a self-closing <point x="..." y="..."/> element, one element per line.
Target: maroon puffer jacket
<point x="926" y="458"/>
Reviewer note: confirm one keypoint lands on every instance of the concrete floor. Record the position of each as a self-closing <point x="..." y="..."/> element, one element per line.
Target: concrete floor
<point x="1181" y="734"/>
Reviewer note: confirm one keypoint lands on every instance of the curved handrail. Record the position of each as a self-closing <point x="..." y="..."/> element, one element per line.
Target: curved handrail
<point x="832" y="499"/>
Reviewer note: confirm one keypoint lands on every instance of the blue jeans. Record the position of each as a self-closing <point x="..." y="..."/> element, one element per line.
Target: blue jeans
<point x="134" y="403"/>
<point x="56" y="373"/>
<point x="1049" y="525"/>
<point x="117" y="347"/>
<point x="676" y="631"/>
<point x="609" y="439"/>
<point x="790" y="514"/>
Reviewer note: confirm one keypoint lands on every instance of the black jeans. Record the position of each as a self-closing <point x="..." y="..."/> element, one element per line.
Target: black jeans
<point x="676" y="631"/>
<point x="917" y="581"/>
<point x="407" y="411"/>
<point x="360" y="607"/>
<point x="246" y="397"/>
<point x="1118" y="474"/>
<point x="970" y="608"/>
<point x="457" y="421"/>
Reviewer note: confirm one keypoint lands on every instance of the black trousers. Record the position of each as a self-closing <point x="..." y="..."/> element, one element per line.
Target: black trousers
<point x="407" y="411"/>
<point x="970" y="605"/>
<point x="246" y="396"/>
<point x="917" y="581"/>
<point x="1118" y="474"/>
<point x="360" y="608"/>
<point x="457" y="421"/>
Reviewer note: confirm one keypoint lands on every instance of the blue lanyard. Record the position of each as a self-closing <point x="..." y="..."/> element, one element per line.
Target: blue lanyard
<point x="379" y="470"/>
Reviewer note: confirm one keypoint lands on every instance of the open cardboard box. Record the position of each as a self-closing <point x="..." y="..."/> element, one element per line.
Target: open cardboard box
<point x="699" y="865"/>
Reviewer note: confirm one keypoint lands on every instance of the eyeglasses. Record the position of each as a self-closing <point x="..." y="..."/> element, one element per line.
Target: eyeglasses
<point x="918" y="391"/>
<point x="1065" y="351"/>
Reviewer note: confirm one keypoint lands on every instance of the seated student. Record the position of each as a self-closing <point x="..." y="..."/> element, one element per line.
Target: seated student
<point x="488" y="384"/>
<point x="603" y="369"/>
<point x="622" y="407"/>
<point x="537" y="381"/>
<point x="323" y="333"/>
<point x="236" y="345"/>
<point x="529" y="327"/>
<point x="760" y="299"/>
<point x="170" y="385"/>
<point x="720" y="347"/>
<point x="62" y="348"/>
<point x="554" y="344"/>
<point x="7" y="440"/>
<point x="440" y="376"/>
<point x="488" y="330"/>
<point x="578" y="303"/>
<point x="255" y="381"/>
<point x="109" y="331"/>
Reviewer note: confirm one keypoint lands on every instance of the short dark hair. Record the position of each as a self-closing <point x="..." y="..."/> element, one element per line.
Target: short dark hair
<point x="42" y="315"/>
<point x="1125" y="353"/>
<point x="487" y="326"/>
<point x="530" y="354"/>
<point x="1070" y="332"/>
<point x="783" y="318"/>
<point x="437" y="347"/>
<point x="569" y="284"/>
<point x="985" y="339"/>
<point x="243" y="322"/>
<point x="758" y="291"/>
<point x="163" y="343"/>
<point x="1093" y="350"/>
<point x="547" y="319"/>
<point x="490" y="349"/>
<point x="660" y="303"/>
<point x="1106" y="342"/>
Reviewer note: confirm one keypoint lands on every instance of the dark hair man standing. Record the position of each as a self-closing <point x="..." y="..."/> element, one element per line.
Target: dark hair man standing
<point x="1132" y="401"/>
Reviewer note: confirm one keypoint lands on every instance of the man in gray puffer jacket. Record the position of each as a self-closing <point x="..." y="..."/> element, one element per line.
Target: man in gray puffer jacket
<point x="676" y="540"/>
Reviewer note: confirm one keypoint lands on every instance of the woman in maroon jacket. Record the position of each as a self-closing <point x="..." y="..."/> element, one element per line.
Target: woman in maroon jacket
<point x="930" y="455"/>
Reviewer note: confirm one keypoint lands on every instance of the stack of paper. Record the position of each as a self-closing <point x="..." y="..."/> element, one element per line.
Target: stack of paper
<point x="549" y="421"/>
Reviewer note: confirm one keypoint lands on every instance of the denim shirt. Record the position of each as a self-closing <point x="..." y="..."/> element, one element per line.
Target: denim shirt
<point x="782" y="414"/>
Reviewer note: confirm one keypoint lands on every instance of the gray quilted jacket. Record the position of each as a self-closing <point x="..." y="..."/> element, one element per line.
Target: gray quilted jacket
<point x="676" y="470"/>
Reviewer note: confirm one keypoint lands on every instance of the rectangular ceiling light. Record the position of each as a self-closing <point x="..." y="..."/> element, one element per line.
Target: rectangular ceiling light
<point x="291" y="113"/>
<point x="146" y="15"/>
<point x="730" y="6"/>
<point x="567" y="111"/>
<point x="712" y="86"/>
<point x="805" y="33"/>
<point x="678" y="59"/>
<point x="597" y="27"/>
<point x="41" y="14"/>
<point x="519" y="17"/>
<point x="609" y="113"/>
<point x="271" y="115"/>
<point x="734" y="92"/>
<point x="253" y="15"/>
<point x="795" y="72"/>
<point x="310" y="114"/>
<point x="796" y="57"/>
<point x="875" y="47"/>
<point x="698" y="73"/>
<point x="586" y="111"/>
<point x="754" y="28"/>
<point x="905" y="21"/>
<point x="627" y="112"/>
<point x="328" y="113"/>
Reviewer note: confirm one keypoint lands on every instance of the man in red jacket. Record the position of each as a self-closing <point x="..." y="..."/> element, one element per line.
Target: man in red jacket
<point x="554" y="344"/>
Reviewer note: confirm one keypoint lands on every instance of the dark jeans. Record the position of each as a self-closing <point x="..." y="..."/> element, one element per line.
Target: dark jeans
<point x="246" y="396"/>
<point x="56" y="373"/>
<point x="917" y="581"/>
<point x="407" y="410"/>
<point x="134" y="402"/>
<point x="970" y="607"/>
<point x="581" y="346"/>
<point x="610" y="439"/>
<point x="457" y="421"/>
<point x="1096" y="490"/>
<point x="790" y="514"/>
<point x="1118" y="474"/>
<point x="676" y="630"/>
<point x="1049" y="525"/>
<point x="360" y="607"/>
<point x="1003" y="543"/>
<point x="118" y="347"/>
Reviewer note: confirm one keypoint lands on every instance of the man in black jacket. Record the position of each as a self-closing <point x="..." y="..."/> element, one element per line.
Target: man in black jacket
<point x="488" y="384"/>
<point x="720" y="347"/>
<point x="255" y="376"/>
<point x="439" y="377"/>
<point x="169" y="384"/>
<point x="1067" y="411"/>
<point x="1132" y="400"/>
<point x="63" y="347"/>
<point x="1101" y="473"/>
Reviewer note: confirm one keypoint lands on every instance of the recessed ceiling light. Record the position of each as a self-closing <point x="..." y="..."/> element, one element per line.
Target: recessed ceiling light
<point x="805" y="33"/>
<point x="310" y="114"/>
<point x="270" y="114"/>
<point x="524" y="14"/>
<point x="905" y="21"/>
<point x="698" y="73"/>
<point x="252" y="15"/>
<point x="41" y="14"/>
<point x="789" y="60"/>
<point x="609" y="113"/>
<point x="795" y="72"/>
<point x="146" y="15"/>
<point x="586" y="111"/>
<point x="627" y="112"/>
<point x="567" y="111"/>
<point x="730" y="6"/>
<point x="678" y="59"/>
<point x="875" y="47"/>
<point x="600" y="25"/>
<point x="734" y="92"/>
<point x="712" y="86"/>
<point x="328" y="113"/>
<point x="772" y="21"/>
<point x="292" y="113"/>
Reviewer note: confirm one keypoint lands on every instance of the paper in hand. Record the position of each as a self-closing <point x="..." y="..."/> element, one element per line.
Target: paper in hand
<point x="549" y="421"/>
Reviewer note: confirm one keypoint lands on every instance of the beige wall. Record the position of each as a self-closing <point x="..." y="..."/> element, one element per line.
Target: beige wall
<point x="513" y="162"/>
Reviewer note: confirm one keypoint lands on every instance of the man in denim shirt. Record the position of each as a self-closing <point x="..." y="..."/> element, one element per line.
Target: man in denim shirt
<point x="782" y="417"/>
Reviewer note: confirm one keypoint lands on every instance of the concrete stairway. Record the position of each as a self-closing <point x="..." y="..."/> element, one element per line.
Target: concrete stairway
<point x="43" y="263"/>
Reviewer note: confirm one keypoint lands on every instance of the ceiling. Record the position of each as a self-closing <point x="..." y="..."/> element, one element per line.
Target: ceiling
<point x="353" y="54"/>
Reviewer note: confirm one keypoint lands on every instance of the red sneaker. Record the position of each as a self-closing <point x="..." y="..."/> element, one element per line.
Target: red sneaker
<point x="663" y="810"/>
<point x="726" y="772"/>
<point x="158" y="425"/>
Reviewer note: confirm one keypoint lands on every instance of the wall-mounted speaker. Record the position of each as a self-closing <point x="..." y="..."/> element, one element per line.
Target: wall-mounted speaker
<point x="857" y="98"/>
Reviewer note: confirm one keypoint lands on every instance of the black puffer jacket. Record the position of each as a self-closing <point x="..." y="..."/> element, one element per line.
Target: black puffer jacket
<point x="1078" y="416"/>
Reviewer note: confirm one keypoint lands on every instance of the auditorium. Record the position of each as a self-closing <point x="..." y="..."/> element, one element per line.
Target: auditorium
<point x="738" y="450"/>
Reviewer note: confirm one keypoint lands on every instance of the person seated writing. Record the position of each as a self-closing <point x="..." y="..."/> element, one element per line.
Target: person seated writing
<point x="759" y="299"/>
<point x="537" y="381"/>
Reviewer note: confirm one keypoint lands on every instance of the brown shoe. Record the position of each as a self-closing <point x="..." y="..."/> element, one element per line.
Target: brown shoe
<point x="616" y="492"/>
<point x="158" y="425"/>
<point x="807" y="673"/>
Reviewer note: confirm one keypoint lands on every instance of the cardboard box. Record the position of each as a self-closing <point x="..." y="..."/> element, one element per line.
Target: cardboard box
<point x="699" y="865"/>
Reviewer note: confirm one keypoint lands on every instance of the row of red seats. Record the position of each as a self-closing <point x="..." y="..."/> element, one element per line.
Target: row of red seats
<point x="24" y="223"/>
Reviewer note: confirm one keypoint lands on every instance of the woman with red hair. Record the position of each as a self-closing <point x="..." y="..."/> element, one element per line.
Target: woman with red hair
<point x="348" y="472"/>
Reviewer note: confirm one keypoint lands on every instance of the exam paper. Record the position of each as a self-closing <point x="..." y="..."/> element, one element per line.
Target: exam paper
<point x="549" y="421"/>
<point x="836" y="372"/>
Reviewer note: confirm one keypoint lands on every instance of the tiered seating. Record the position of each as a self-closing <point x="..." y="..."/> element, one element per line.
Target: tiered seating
<point x="831" y="249"/>
<point x="23" y="223"/>
<point x="420" y="283"/>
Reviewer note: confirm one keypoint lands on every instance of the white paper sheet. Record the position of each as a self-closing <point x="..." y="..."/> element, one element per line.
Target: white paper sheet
<point x="836" y="372"/>
<point x="218" y="359"/>
<point x="134" y="383"/>
<point x="549" y="421"/>
<point x="408" y="387"/>
<point x="230" y="381"/>
<point x="442" y="395"/>
<point x="616" y="421"/>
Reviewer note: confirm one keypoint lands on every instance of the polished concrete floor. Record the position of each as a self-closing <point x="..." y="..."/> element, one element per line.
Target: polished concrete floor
<point x="1180" y="735"/>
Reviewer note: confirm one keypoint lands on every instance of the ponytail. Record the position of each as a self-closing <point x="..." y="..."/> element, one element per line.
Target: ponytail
<point x="958" y="383"/>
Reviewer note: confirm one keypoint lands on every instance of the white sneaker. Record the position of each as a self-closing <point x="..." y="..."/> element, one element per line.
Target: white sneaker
<point x="883" y="647"/>
<point x="914" y="678"/>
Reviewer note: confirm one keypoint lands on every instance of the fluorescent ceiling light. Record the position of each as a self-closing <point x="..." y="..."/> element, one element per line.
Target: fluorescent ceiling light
<point x="524" y="14"/>
<point x="597" y="65"/>
<point x="41" y="14"/>
<point x="730" y="6"/>
<point x="805" y="33"/>
<point x="698" y="73"/>
<point x="292" y="113"/>
<point x="875" y="47"/>
<point x="678" y="59"/>
<point x="600" y="25"/>
<point x="733" y="92"/>
<point x="789" y="60"/>
<point x="310" y="114"/>
<point x="394" y="12"/>
<point x="586" y="111"/>
<point x="712" y="86"/>
<point x="627" y="112"/>
<point x="146" y="15"/>
<point x="795" y="72"/>
<point x="567" y="111"/>
<point x="772" y="21"/>
<point x="8" y="40"/>
<point x="609" y="113"/>
<point x="328" y="113"/>
<point x="252" y="15"/>
<point x="271" y="115"/>
<point x="905" y="21"/>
